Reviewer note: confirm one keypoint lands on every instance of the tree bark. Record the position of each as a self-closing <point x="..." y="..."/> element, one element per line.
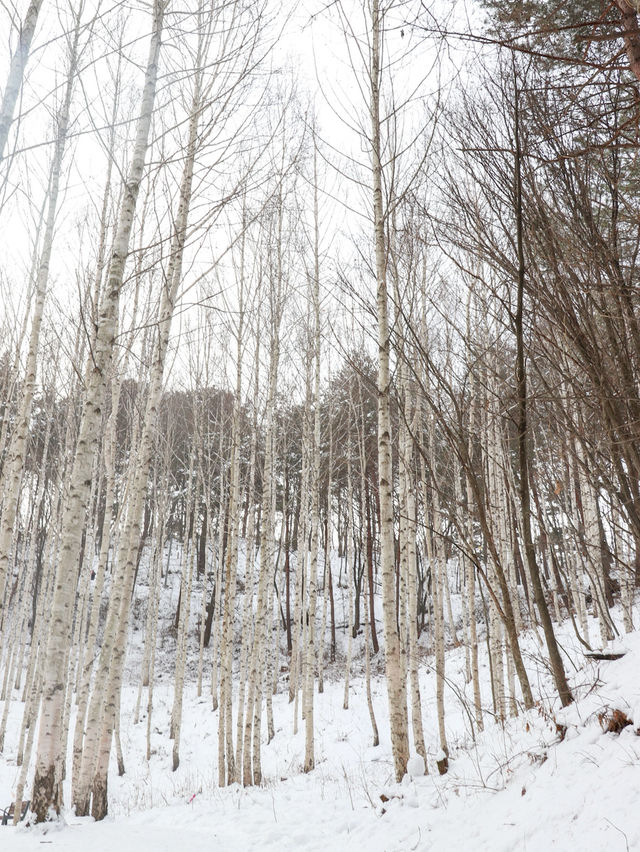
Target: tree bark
<point x="523" y="448"/>
<point x="395" y="667"/>
<point x="16" y="71"/>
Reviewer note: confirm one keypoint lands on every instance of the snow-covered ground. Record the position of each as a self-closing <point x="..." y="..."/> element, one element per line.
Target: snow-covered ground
<point x="548" y="779"/>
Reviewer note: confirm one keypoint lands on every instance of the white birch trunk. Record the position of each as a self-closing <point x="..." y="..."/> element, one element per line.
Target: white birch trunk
<point x="16" y="71"/>
<point x="438" y="570"/>
<point x="226" y="752"/>
<point x="367" y="662"/>
<point x="252" y="770"/>
<point x="217" y="603"/>
<point x="249" y="577"/>
<point x="470" y="577"/>
<point x="395" y="668"/>
<point x="301" y="554"/>
<point x="309" y="753"/>
<point x="47" y="790"/>
<point x="412" y="579"/>
<point x="350" y="532"/>
<point x="15" y="460"/>
<point x="155" y="604"/>
<point x="186" y="579"/>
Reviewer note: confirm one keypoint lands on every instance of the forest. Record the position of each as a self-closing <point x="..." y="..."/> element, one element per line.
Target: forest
<point x="319" y="382"/>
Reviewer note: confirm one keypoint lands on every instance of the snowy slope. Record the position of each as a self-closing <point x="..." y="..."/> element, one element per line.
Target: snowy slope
<point x="517" y="788"/>
<point x="548" y="779"/>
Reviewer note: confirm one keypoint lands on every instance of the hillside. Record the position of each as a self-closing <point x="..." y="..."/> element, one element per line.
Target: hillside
<point x="546" y="779"/>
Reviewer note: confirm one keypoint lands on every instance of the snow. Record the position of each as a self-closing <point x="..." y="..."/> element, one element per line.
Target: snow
<point x="415" y="766"/>
<point x="549" y="779"/>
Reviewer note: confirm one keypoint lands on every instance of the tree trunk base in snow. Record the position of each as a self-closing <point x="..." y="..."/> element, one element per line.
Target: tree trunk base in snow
<point x="443" y="764"/>
<point x="99" y="803"/>
<point x="45" y="795"/>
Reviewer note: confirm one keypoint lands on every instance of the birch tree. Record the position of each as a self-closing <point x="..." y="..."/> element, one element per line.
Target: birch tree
<point x="47" y="786"/>
<point x="395" y="668"/>
<point x="17" y="69"/>
<point x="12" y="469"/>
<point x="309" y="759"/>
